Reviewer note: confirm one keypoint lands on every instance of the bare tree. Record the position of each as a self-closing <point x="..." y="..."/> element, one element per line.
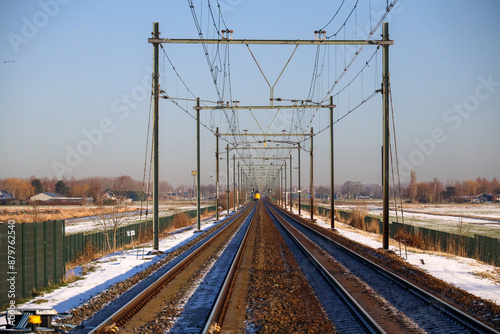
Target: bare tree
<point x="111" y="212"/>
<point x="412" y="188"/>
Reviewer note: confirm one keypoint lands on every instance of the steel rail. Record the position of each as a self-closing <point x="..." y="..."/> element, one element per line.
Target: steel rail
<point x="370" y="324"/>
<point x="140" y="300"/>
<point x="219" y="305"/>
<point x="453" y="312"/>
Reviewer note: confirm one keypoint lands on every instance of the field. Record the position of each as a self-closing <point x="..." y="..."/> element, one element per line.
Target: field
<point x="82" y="218"/>
<point x="462" y="219"/>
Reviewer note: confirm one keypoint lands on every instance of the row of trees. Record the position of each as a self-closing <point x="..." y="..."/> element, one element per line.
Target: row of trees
<point x="435" y="191"/>
<point x="430" y="191"/>
<point x="350" y="189"/>
<point x="93" y="187"/>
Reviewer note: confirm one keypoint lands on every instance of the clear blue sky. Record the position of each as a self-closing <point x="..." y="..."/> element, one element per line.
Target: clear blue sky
<point x="75" y="77"/>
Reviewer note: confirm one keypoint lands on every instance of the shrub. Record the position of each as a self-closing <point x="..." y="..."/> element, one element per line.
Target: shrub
<point x="181" y="220"/>
<point x="358" y="215"/>
<point x="410" y="239"/>
<point x="90" y="253"/>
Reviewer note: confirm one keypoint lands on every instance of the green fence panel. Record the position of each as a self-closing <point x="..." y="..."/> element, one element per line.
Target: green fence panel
<point x="28" y="258"/>
<point x="61" y="261"/>
<point x="489" y="249"/>
<point x="49" y="251"/>
<point x="19" y="261"/>
<point x="4" y="284"/>
<point x="75" y="244"/>
<point x="38" y="257"/>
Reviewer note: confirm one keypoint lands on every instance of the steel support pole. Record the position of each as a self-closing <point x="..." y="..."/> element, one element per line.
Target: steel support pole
<point x="227" y="172"/>
<point x="332" y="191"/>
<point x="284" y="187"/>
<point x="300" y="189"/>
<point x="234" y="183"/>
<point x="217" y="172"/>
<point x="291" y="201"/>
<point x="281" y="186"/>
<point x="198" y="195"/>
<point x="385" y="90"/>
<point x="238" y="186"/>
<point x="156" y="96"/>
<point x="312" y="177"/>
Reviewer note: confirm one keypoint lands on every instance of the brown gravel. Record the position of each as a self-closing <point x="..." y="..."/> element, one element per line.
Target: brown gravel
<point x="280" y="299"/>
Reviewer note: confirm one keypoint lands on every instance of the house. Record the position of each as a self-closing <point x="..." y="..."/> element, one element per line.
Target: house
<point x="485" y="198"/>
<point x="45" y="196"/>
<point x="363" y="197"/>
<point x="5" y="195"/>
<point x="467" y="199"/>
<point x="54" y="198"/>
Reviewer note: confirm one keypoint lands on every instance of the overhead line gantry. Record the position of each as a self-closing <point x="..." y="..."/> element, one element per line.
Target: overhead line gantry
<point x="385" y="43"/>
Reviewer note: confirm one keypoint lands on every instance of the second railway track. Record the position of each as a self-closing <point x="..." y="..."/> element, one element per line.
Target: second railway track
<point x="422" y="311"/>
<point x="266" y="271"/>
<point x="142" y="311"/>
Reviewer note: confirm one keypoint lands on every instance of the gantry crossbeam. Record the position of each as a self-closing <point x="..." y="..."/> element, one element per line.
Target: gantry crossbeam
<point x="269" y="41"/>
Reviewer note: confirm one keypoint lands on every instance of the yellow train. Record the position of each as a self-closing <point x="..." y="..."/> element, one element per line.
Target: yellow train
<point x="256" y="196"/>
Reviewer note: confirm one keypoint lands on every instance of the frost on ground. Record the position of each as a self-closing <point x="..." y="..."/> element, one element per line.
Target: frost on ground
<point x="87" y="224"/>
<point x="110" y="269"/>
<point x="467" y="274"/>
<point x="470" y="275"/>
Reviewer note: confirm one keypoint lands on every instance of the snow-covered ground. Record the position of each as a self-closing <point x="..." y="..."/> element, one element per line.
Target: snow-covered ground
<point x="109" y="270"/>
<point x="87" y="224"/>
<point x="458" y="219"/>
<point x="491" y="210"/>
<point x="465" y="273"/>
<point x="444" y="215"/>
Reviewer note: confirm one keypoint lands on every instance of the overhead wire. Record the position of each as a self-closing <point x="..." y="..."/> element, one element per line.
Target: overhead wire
<point x="219" y="64"/>
<point x="334" y="16"/>
<point x="348" y="66"/>
<point x="396" y="155"/>
<point x="356" y="54"/>
<point x="205" y="49"/>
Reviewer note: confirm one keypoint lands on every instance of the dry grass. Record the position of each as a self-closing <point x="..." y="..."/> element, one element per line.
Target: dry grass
<point x="181" y="220"/>
<point x="90" y="253"/>
<point x="31" y="214"/>
<point x="372" y="226"/>
<point x="70" y="278"/>
<point x="411" y="240"/>
<point x="359" y="212"/>
<point x="493" y="275"/>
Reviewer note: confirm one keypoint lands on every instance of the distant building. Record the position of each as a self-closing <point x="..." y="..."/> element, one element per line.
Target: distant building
<point x="482" y="198"/>
<point x="485" y="198"/>
<point x="363" y="197"/>
<point x="4" y="195"/>
<point x="45" y="196"/>
<point x="466" y="199"/>
<point x="54" y="198"/>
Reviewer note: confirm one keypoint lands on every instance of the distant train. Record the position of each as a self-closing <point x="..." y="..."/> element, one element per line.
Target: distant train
<point x="256" y="196"/>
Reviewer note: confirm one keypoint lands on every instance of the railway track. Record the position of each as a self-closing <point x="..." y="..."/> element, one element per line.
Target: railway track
<point x="264" y="291"/>
<point x="141" y="309"/>
<point x="265" y="271"/>
<point x="364" y="280"/>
